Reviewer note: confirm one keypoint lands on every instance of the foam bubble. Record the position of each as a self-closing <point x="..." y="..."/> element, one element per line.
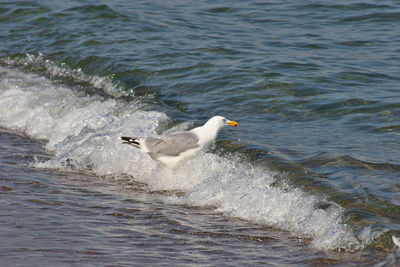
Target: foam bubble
<point x="241" y="190"/>
<point x="83" y="132"/>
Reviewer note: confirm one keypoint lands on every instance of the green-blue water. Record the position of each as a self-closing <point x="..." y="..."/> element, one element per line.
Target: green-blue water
<point x="314" y="86"/>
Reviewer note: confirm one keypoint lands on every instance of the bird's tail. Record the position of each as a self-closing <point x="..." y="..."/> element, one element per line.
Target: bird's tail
<point x="131" y="141"/>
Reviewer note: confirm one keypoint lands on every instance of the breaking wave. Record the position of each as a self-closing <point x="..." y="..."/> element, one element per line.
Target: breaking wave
<point x="82" y="132"/>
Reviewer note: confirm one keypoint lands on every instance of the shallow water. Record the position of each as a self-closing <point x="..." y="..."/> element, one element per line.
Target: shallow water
<point x="68" y="218"/>
<point x="314" y="164"/>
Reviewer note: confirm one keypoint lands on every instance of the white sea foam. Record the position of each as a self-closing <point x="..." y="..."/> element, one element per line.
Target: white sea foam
<point x="83" y="133"/>
<point x="39" y="62"/>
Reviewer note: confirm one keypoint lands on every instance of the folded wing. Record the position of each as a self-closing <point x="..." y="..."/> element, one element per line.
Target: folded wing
<point x="172" y="145"/>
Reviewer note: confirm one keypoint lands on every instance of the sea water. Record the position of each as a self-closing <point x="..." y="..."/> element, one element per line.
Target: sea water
<point x="310" y="175"/>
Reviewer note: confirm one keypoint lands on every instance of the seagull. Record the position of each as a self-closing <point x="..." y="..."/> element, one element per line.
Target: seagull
<point x="172" y="148"/>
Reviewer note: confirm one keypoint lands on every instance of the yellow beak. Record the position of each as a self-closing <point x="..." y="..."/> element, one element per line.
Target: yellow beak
<point x="233" y="123"/>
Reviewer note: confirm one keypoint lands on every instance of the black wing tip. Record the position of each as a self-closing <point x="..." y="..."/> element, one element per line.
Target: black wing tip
<point x="129" y="140"/>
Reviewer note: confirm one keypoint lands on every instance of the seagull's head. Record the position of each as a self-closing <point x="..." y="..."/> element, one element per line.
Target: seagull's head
<point x="219" y="122"/>
<point x="208" y="132"/>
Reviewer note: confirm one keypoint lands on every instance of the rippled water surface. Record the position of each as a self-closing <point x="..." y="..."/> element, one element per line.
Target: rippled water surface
<point x="310" y="177"/>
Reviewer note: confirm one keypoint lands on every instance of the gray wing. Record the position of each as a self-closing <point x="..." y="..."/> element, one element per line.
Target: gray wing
<point x="172" y="145"/>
